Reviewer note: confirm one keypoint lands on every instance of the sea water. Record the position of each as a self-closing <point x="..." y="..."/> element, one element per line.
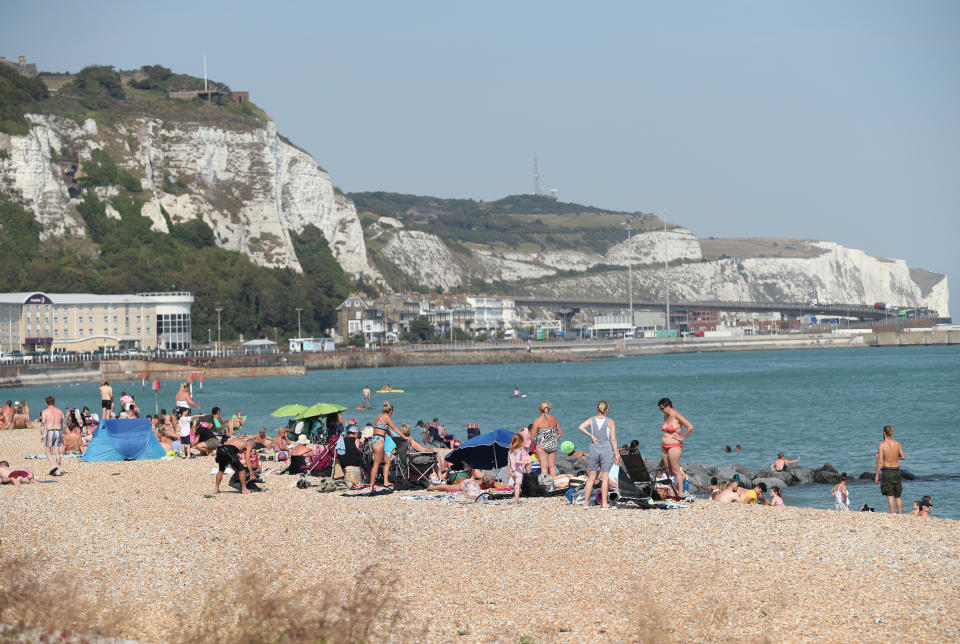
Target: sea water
<point x="818" y="406"/>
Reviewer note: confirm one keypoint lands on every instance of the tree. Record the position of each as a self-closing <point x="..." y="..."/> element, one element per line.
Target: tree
<point x="420" y="330"/>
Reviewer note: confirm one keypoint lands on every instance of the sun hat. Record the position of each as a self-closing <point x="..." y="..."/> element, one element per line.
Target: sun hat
<point x="303" y="440"/>
<point x="566" y="447"/>
<point x="352" y="429"/>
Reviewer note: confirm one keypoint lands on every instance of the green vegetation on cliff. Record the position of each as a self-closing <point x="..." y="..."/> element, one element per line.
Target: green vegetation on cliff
<point x="126" y="255"/>
<point x="521" y="222"/>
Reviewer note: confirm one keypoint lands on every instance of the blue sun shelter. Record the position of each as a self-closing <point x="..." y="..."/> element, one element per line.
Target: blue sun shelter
<point x="123" y="439"/>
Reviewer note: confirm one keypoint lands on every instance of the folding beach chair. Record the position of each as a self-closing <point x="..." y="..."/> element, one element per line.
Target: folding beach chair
<point x="414" y="466"/>
<point x="634" y="483"/>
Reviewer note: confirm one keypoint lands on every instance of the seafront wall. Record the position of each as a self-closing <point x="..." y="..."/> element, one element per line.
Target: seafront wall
<point x="23" y="375"/>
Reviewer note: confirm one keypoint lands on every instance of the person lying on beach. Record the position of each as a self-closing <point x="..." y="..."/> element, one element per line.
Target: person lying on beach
<point x="731" y="494"/>
<point x="486" y="482"/>
<point x="755" y="495"/>
<point x="713" y="487"/>
<point x="780" y="465"/>
<point x="8" y="475"/>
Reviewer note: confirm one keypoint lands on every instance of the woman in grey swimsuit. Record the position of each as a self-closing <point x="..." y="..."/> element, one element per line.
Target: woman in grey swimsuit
<point x="546" y="432"/>
<point x="603" y="453"/>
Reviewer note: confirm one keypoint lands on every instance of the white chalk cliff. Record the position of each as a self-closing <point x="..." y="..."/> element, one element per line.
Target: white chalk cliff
<point x="249" y="185"/>
<point x="254" y="189"/>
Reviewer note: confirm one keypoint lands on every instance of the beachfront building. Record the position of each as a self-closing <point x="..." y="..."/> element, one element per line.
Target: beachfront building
<point x="52" y="322"/>
<point x="359" y="316"/>
<point x="492" y="314"/>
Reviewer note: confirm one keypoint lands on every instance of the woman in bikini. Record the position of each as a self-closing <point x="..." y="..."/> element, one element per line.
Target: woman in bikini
<point x="546" y="433"/>
<point x="381" y="426"/>
<point x="671" y="445"/>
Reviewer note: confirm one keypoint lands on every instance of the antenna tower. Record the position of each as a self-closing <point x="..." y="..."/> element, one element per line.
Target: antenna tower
<point x="204" y="72"/>
<point x="536" y="177"/>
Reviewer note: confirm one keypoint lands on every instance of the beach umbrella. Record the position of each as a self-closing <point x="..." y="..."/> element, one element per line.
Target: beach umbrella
<point x="486" y="451"/>
<point x="320" y="409"/>
<point x="289" y="410"/>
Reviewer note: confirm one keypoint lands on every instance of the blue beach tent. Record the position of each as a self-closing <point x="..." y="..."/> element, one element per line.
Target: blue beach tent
<point x="123" y="439"/>
<point x="486" y="451"/>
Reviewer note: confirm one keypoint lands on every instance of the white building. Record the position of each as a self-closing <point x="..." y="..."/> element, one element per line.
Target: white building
<point x="32" y="322"/>
<point x="491" y="314"/>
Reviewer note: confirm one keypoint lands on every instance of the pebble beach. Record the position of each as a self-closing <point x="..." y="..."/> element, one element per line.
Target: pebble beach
<point x="147" y="537"/>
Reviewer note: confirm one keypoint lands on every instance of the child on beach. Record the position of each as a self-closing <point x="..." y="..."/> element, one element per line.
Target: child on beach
<point x="841" y="500"/>
<point x="776" y="497"/>
<point x="183" y="424"/>
<point x="518" y="462"/>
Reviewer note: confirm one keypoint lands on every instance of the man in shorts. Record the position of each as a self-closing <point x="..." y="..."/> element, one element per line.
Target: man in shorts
<point x="889" y="455"/>
<point x="205" y="440"/>
<point x="106" y="400"/>
<point x="51" y="424"/>
<point x="228" y="454"/>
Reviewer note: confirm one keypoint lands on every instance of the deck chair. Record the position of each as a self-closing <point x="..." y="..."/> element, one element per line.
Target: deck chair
<point x="437" y="439"/>
<point x="634" y="483"/>
<point x="473" y="429"/>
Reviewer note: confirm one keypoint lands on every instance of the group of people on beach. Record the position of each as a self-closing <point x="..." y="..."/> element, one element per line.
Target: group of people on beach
<point x="534" y="448"/>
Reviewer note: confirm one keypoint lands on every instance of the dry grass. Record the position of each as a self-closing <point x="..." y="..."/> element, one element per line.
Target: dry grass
<point x="741" y="247"/>
<point x="244" y="611"/>
<point x="35" y="608"/>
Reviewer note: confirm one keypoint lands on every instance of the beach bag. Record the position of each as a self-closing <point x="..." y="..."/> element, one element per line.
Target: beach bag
<point x="575" y="495"/>
<point x="530" y="485"/>
<point x="352" y="475"/>
<point x="341" y="446"/>
<point x="471" y="489"/>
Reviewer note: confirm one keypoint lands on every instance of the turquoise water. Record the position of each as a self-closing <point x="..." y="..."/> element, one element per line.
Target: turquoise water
<point x="818" y="406"/>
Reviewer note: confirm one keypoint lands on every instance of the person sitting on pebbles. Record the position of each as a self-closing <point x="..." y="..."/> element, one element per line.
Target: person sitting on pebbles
<point x="730" y="494"/>
<point x="281" y="445"/>
<point x="300" y="455"/>
<point x="755" y="495"/>
<point x="73" y="440"/>
<point x="16" y="477"/>
<point x="261" y="440"/>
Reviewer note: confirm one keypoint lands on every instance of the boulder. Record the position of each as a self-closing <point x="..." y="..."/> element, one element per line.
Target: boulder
<point x="827" y="467"/>
<point x="803" y="475"/>
<point x="785" y="477"/>
<point x="698" y="479"/>
<point x="867" y="475"/>
<point x="725" y="473"/>
<point x="743" y="470"/>
<point x="907" y="475"/>
<point x="826" y="476"/>
<point x="698" y="472"/>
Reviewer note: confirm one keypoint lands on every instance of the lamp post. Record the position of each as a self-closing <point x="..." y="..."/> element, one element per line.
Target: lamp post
<point x="299" y="335"/>
<point x="666" y="271"/>
<point x="630" y="274"/>
<point x="218" y="309"/>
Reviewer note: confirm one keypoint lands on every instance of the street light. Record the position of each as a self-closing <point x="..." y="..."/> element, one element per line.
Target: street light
<point x="630" y="274"/>
<point x="299" y="335"/>
<point x="666" y="270"/>
<point x="218" y="309"/>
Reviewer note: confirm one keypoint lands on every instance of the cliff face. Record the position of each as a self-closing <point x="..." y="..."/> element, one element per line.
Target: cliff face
<point x="839" y="274"/>
<point x="251" y="187"/>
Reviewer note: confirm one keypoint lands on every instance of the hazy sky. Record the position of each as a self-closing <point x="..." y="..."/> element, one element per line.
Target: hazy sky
<point x="827" y="120"/>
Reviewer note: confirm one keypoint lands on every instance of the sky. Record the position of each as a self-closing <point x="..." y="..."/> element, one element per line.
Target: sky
<point x="815" y="119"/>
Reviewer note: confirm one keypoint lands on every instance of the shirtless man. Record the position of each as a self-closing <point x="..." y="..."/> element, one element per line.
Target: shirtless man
<point x="261" y="440"/>
<point x="228" y="454"/>
<point x="889" y="455"/>
<point x="365" y="403"/>
<point x="730" y="495"/>
<point x="106" y="400"/>
<point x="51" y="425"/>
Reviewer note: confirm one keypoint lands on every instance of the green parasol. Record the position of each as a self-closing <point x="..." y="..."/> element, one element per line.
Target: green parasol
<point x="320" y="409"/>
<point x="289" y="410"/>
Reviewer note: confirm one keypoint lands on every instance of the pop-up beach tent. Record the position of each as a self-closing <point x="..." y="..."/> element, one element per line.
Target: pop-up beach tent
<point x="123" y="439"/>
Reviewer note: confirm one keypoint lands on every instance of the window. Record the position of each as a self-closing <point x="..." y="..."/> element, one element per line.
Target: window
<point x="106" y="319"/>
<point x="114" y="319"/>
<point x="148" y="319"/>
<point x="139" y="330"/>
<point x="56" y="333"/>
<point x="138" y="319"/>
<point x="55" y="319"/>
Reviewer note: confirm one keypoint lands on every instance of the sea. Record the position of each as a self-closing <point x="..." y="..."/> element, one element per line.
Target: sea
<point x="818" y="406"/>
